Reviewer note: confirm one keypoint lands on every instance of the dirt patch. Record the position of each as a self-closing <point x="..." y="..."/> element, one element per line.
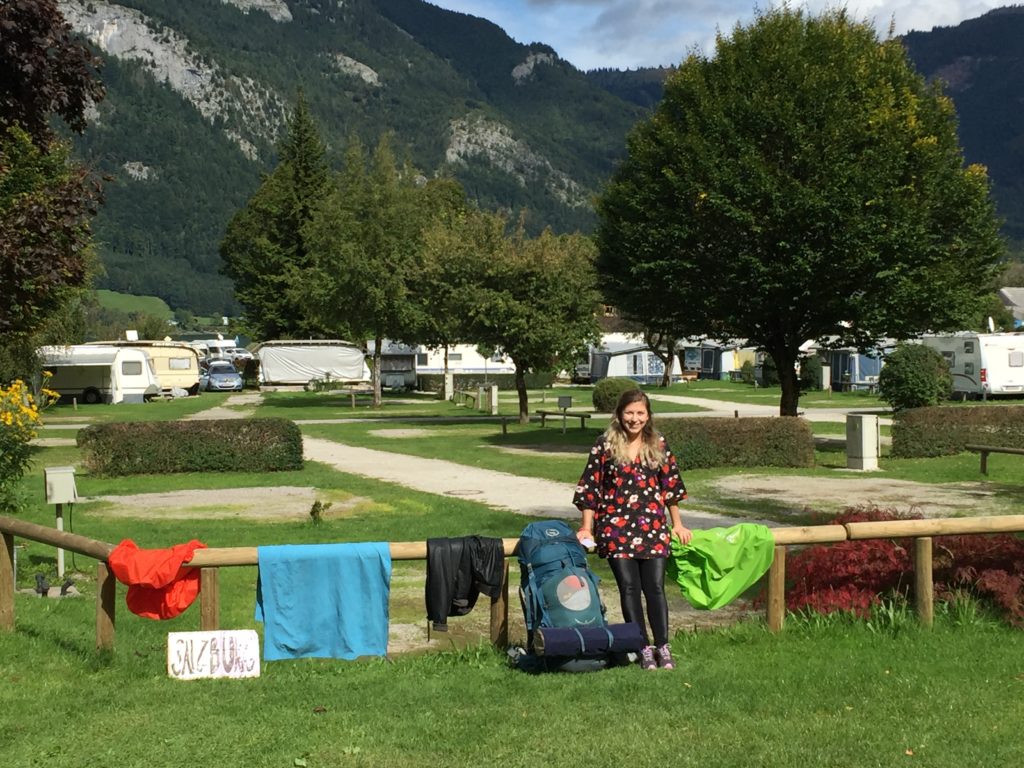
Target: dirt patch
<point x="281" y="504"/>
<point x="835" y="494"/>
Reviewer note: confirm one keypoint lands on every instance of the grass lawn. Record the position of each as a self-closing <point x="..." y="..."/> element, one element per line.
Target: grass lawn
<point x="124" y="302"/>
<point x="818" y="694"/>
<point x="745" y="393"/>
<point x="827" y="696"/>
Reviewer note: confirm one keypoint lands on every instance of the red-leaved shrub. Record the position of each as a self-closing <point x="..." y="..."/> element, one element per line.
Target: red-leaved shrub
<point x="851" y="576"/>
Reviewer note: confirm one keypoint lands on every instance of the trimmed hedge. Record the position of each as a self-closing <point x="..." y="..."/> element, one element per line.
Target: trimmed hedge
<point x="703" y="442"/>
<point x="223" y="445"/>
<point x="434" y="382"/>
<point x="608" y="391"/>
<point x="944" y="431"/>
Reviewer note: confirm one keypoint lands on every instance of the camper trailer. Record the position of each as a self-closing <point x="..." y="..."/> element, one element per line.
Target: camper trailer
<point x="982" y="364"/>
<point x="175" y="362"/>
<point x="101" y="374"/>
<point x="300" y="362"/>
<point x="629" y="359"/>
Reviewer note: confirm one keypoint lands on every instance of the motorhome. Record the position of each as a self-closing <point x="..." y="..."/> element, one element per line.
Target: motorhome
<point x="175" y="362"/>
<point x="982" y="364"/>
<point x="100" y="374"/>
<point x="300" y="362"/>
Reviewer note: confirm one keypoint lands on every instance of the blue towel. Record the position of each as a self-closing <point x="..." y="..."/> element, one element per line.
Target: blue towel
<point x="324" y="600"/>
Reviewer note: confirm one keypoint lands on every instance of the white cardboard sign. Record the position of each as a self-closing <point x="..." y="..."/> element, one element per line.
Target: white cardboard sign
<point x="217" y="653"/>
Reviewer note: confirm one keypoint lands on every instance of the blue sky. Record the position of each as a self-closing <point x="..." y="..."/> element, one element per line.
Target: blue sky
<point x="632" y="33"/>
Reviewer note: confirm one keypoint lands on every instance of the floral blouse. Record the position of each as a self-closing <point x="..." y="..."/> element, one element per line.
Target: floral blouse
<point x="630" y="503"/>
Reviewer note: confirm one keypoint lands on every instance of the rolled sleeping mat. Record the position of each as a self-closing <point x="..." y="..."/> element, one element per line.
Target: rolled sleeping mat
<point x="588" y="641"/>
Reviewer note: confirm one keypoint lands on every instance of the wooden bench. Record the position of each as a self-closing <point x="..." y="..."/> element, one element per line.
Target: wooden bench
<point x="985" y="450"/>
<point x="564" y="414"/>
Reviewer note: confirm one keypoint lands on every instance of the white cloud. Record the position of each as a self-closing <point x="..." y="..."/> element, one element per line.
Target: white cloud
<point x="630" y="33"/>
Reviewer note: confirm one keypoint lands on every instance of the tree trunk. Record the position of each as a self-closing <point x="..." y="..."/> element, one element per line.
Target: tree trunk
<point x="378" y="354"/>
<point x="669" y="361"/>
<point x="785" y="362"/>
<point x="524" y="404"/>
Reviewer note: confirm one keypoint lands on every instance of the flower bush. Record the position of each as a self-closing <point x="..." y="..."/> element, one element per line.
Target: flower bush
<point x="20" y="416"/>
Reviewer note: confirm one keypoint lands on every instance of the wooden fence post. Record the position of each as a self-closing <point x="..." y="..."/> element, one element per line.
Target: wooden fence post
<point x="499" y="613"/>
<point x="106" y="597"/>
<point x="209" y="598"/>
<point x="776" y="607"/>
<point x="7" y="585"/>
<point x="924" y="587"/>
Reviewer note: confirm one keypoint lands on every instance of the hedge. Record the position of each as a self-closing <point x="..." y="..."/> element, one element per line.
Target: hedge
<point x="224" y="445"/>
<point x="944" y="431"/>
<point x="608" y="391"/>
<point x="434" y="382"/>
<point x="704" y="442"/>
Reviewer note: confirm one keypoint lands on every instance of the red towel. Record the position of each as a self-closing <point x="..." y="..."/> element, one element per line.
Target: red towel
<point x="158" y="587"/>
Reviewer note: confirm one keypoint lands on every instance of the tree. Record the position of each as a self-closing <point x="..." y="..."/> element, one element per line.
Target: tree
<point x="43" y="70"/>
<point x="450" y="255"/>
<point x="46" y="201"/>
<point x="264" y="249"/>
<point x="804" y="183"/>
<point x="366" y="245"/>
<point x="534" y="298"/>
<point x="914" y="376"/>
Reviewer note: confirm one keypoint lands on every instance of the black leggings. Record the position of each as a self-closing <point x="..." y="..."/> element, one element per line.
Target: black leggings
<point x="635" y="576"/>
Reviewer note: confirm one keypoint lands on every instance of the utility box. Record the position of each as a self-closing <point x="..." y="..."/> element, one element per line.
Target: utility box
<point x="862" y="442"/>
<point x="60" y="485"/>
<point x="565" y="402"/>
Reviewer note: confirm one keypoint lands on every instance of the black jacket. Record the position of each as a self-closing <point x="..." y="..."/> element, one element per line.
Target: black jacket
<point x="458" y="570"/>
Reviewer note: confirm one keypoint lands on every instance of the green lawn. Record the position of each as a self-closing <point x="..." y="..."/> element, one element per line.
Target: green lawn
<point x="820" y="693"/>
<point x="124" y="302"/>
<point x="745" y="393"/>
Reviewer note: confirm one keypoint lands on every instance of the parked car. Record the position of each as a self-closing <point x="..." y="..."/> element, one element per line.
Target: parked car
<point x="221" y="376"/>
<point x="238" y="353"/>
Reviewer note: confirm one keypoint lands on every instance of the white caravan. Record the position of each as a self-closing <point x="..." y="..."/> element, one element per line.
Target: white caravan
<point x="982" y="364"/>
<point x="175" y="362"/>
<point x="300" y="362"/>
<point x="98" y="374"/>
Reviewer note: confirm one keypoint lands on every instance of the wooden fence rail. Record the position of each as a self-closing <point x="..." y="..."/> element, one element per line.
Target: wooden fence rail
<point x="209" y="561"/>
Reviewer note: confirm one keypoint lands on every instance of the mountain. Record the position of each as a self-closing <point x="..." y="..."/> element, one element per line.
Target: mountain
<point x="198" y="91"/>
<point x="981" y="63"/>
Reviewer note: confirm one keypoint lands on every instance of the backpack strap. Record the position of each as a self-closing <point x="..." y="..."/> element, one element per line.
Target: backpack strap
<point x="583" y="643"/>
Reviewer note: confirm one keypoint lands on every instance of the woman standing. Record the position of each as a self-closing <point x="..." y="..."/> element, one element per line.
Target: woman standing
<point x="629" y="495"/>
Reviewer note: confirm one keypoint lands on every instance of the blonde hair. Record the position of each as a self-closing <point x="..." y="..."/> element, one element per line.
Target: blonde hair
<point x="652" y="454"/>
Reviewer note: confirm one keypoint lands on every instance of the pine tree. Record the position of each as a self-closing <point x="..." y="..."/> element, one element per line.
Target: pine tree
<point x="264" y="249"/>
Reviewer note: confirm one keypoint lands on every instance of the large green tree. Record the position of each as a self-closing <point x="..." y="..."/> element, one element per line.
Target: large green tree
<point x="264" y="249"/>
<point x="804" y="182"/>
<point x="366" y="244"/>
<point x="535" y="299"/>
<point x="46" y="200"/>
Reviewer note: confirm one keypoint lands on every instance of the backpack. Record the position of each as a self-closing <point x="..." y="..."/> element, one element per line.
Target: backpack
<point x="556" y="589"/>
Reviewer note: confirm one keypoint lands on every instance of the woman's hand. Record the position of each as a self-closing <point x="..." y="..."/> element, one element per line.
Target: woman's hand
<point x="585" y="536"/>
<point x="683" y="533"/>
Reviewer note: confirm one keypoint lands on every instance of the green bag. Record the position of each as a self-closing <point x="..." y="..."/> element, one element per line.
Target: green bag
<point x="720" y="564"/>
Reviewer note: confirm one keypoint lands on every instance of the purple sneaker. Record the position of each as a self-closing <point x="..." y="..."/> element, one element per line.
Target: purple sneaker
<point x="647" y="658"/>
<point x="665" y="657"/>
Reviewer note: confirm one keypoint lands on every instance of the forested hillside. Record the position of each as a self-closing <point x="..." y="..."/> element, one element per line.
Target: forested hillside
<point x="198" y="91"/>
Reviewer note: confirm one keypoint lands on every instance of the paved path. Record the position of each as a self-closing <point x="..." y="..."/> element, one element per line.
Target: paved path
<point x="526" y="495"/>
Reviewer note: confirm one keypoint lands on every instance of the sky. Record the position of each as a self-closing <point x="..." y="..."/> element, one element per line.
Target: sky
<point x="624" y="34"/>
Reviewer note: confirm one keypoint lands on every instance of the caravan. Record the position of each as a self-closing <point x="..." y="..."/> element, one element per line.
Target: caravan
<point x="175" y="362"/>
<point x="100" y="374"/>
<point x="982" y="364"/>
<point x="300" y="362"/>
